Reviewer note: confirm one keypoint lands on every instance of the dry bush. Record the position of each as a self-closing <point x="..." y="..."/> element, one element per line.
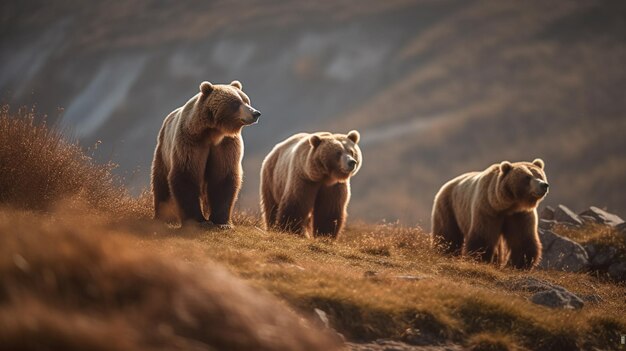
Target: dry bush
<point x="67" y="289"/>
<point x="39" y="167"/>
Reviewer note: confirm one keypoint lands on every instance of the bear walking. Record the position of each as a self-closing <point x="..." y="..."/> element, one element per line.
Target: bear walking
<point x="305" y="182"/>
<point x="492" y="213"/>
<point x="198" y="154"/>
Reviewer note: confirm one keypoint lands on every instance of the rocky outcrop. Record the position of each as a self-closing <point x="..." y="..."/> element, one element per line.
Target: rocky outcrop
<point x="565" y="254"/>
<point x="564" y="215"/>
<point x="601" y="216"/>
<point x="560" y="253"/>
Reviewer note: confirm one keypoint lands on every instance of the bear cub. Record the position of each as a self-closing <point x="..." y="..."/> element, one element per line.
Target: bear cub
<point x="197" y="160"/>
<point x="492" y="214"/>
<point x="305" y="183"/>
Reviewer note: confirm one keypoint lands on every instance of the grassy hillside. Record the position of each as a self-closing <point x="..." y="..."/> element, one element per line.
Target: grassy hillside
<point x="375" y="281"/>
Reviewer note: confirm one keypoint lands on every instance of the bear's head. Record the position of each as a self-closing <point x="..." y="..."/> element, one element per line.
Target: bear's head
<point x="523" y="183"/>
<point x="226" y="107"/>
<point x="334" y="157"/>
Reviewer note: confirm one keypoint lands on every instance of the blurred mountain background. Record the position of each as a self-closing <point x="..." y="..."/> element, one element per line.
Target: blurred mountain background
<point x="436" y="88"/>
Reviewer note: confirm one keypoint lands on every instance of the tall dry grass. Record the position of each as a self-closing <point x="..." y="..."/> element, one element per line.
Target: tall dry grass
<point x="39" y="167"/>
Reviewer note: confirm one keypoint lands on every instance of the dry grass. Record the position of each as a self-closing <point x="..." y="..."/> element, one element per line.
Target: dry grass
<point x="39" y="167"/>
<point x="375" y="281"/>
<point x="72" y="282"/>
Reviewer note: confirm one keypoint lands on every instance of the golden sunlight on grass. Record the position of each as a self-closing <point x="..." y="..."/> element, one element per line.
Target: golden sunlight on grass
<point x="375" y="281"/>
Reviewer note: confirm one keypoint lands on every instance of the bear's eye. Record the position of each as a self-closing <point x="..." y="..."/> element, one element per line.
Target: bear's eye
<point x="528" y="177"/>
<point x="338" y="154"/>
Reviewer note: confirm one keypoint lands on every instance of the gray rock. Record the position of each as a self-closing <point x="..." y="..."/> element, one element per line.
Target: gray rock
<point x="546" y="293"/>
<point x="546" y="223"/>
<point x="557" y="299"/>
<point x="602" y="217"/>
<point x="603" y="256"/>
<point x="547" y="213"/>
<point x="591" y="250"/>
<point x="323" y="321"/>
<point x="561" y="253"/>
<point x="409" y="277"/>
<point x="587" y="219"/>
<point x="617" y="271"/>
<point x="323" y="317"/>
<point x="562" y="214"/>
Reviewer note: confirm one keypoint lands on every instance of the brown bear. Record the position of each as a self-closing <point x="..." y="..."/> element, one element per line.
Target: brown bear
<point x="492" y="213"/>
<point x="199" y="152"/>
<point x="308" y="175"/>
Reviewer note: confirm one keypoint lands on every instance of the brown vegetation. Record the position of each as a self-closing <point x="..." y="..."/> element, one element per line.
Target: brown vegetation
<point x="39" y="167"/>
<point x="85" y="278"/>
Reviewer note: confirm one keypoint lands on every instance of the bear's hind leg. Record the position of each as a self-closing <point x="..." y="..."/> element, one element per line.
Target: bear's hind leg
<point x="446" y="231"/>
<point x="520" y="234"/>
<point x="160" y="187"/>
<point x="186" y="192"/>
<point x="222" y="196"/>
<point x="329" y="212"/>
<point x="268" y="205"/>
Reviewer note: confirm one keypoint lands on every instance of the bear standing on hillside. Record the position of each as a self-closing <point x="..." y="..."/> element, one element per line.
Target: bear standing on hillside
<point x="199" y="152"/>
<point x="308" y="175"/>
<point x="492" y="212"/>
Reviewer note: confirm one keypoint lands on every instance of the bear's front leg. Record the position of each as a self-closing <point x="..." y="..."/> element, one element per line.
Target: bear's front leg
<point x="296" y="206"/>
<point x="329" y="213"/>
<point x="482" y="240"/>
<point x="222" y="196"/>
<point x="520" y="234"/>
<point x="186" y="191"/>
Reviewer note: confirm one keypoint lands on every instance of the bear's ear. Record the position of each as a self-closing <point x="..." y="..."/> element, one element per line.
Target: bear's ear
<point x="236" y="84"/>
<point x="206" y="87"/>
<point x="315" y="141"/>
<point x="539" y="163"/>
<point x="505" y="167"/>
<point x="354" y="136"/>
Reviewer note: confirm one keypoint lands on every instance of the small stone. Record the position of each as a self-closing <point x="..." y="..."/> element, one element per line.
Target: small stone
<point x="557" y="299"/>
<point x="603" y="217"/>
<point x="323" y="317"/>
<point x="409" y="277"/>
<point x="617" y="271"/>
<point x="562" y="214"/>
<point x="547" y="213"/>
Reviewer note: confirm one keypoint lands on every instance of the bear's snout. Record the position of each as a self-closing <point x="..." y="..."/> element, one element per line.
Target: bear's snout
<point x="351" y="164"/>
<point x="539" y="187"/>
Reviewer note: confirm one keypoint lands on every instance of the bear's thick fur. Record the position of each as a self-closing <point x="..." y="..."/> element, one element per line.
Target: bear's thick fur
<point x="199" y="152"/>
<point x="308" y="175"/>
<point x="492" y="213"/>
